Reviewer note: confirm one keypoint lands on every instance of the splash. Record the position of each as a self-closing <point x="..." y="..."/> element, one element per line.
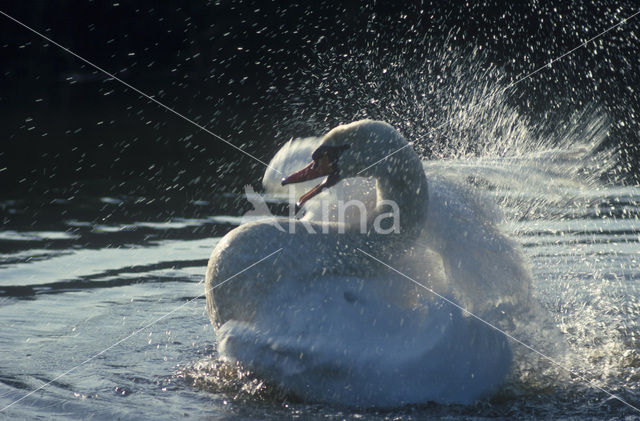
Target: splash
<point x="502" y="171"/>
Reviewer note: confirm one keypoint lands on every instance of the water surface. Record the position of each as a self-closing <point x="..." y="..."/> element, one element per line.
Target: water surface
<point x="73" y="290"/>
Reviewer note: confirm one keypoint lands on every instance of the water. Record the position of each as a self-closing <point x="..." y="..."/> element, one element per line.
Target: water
<point x="86" y="261"/>
<point x="76" y="286"/>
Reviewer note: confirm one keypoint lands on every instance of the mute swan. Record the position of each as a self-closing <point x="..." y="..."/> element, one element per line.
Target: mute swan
<point x="327" y="323"/>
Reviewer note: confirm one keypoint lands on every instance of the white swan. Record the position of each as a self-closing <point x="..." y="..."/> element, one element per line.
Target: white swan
<point x="327" y="323"/>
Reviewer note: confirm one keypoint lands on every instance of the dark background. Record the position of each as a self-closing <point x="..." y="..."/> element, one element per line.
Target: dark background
<point x="245" y="70"/>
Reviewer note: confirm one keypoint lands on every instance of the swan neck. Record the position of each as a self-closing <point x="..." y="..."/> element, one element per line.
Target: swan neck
<point x="406" y="186"/>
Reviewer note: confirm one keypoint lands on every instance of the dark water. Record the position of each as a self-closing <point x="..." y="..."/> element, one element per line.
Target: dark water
<point x="110" y="206"/>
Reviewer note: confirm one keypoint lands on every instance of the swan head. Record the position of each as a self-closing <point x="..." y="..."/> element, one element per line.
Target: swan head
<point x="364" y="148"/>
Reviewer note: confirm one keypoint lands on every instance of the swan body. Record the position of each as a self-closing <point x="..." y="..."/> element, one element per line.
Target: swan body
<point x="326" y="322"/>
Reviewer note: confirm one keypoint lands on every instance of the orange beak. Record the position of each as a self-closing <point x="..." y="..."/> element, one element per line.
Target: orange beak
<point x="315" y="169"/>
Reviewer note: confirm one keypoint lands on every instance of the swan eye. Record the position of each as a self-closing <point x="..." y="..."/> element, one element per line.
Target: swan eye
<point x="318" y="153"/>
<point x="332" y="153"/>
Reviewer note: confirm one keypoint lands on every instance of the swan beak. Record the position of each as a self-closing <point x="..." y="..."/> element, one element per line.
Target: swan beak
<point x="315" y="169"/>
<point x="311" y="193"/>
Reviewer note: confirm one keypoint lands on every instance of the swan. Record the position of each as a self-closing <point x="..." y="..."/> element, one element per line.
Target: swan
<point x="324" y="321"/>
